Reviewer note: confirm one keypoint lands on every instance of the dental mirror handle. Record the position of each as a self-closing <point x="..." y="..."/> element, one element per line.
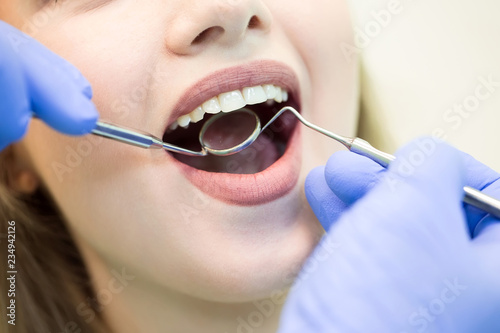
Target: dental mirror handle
<point x="125" y="135"/>
<point x="139" y="139"/>
<point x="472" y="196"/>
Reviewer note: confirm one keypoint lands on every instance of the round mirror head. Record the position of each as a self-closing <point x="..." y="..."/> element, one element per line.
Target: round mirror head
<point x="229" y="133"/>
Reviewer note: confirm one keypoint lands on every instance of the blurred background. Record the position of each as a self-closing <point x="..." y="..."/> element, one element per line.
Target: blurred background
<point x="429" y="67"/>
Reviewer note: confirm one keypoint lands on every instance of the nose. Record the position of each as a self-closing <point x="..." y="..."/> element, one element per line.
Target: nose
<point x="199" y="24"/>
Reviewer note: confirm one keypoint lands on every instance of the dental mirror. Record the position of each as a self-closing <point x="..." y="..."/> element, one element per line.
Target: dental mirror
<point x="229" y="133"/>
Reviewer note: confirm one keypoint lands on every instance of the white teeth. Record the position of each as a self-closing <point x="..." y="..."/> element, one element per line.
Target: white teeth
<point x="279" y="95"/>
<point x="233" y="100"/>
<point x="270" y="91"/>
<point x="254" y="95"/>
<point x="184" y="120"/>
<point x="197" y="115"/>
<point x="284" y="96"/>
<point x="174" y="126"/>
<point x="212" y="106"/>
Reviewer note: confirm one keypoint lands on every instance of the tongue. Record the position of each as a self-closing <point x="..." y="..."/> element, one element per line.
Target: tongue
<point x="259" y="156"/>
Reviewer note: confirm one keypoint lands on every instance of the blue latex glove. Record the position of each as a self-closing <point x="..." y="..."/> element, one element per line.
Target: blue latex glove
<point x="33" y="79"/>
<point x="401" y="254"/>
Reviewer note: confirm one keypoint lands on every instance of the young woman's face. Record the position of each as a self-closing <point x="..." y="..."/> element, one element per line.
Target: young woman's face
<point x="230" y="229"/>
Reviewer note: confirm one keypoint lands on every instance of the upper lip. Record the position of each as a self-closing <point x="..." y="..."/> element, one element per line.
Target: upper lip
<point x="234" y="78"/>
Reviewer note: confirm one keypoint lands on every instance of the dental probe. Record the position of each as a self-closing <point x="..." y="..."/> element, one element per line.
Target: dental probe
<point x="361" y="147"/>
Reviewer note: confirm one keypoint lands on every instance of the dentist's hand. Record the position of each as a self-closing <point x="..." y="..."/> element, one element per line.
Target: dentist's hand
<point x="33" y="79"/>
<point x="407" y="256"/>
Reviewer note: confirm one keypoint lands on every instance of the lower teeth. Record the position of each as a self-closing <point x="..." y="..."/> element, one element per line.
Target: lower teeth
<point x="264" y="152"/>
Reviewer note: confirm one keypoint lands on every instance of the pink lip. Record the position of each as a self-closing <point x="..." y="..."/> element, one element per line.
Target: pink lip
<point x="233" y="78"/>
<point x="249" y="190"/>
<point x="245" y="189"/>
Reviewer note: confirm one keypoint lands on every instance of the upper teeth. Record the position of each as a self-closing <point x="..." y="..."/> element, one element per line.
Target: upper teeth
<point x="231" y="101"/>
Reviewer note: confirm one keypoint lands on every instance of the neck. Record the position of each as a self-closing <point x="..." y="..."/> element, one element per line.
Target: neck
<point x="130" y="304"/>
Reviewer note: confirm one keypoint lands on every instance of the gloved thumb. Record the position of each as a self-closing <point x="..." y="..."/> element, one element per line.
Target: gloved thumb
<point x="350" y="175"/>
<point x="326" y="205"/>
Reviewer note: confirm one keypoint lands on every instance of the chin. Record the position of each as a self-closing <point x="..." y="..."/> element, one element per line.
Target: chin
<point x="252" y="252"/>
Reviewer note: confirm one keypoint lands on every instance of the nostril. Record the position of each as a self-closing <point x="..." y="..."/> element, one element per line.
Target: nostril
<point x="215" y="32"/>
<point x="254" y="22"/>
<point x="208" y="34"/>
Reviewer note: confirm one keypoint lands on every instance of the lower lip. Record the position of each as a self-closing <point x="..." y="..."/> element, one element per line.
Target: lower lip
<point x="251" y="189"/>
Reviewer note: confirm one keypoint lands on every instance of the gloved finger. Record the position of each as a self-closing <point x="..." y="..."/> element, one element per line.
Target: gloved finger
<point x="57" y="100"/>
<point x="14" y="106"/>
<point x="487" y="243"/>
<point x="479" y="176"/>
<point x="350" y="175"/>
<point x="325" y="204"/>
<point x="488" y="231"/>
<point x="427" y="184"/>
<point x="483" y="178"/>
<point x="54" y="92"/>
<point x="24" y="47"/>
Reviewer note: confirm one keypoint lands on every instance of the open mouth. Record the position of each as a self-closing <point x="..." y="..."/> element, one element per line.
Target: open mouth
<point x="265" y="100"/>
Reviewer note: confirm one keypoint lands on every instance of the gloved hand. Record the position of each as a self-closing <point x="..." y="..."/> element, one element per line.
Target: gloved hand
<point x="33" y="79"/>
<point x="407" y="256"/>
